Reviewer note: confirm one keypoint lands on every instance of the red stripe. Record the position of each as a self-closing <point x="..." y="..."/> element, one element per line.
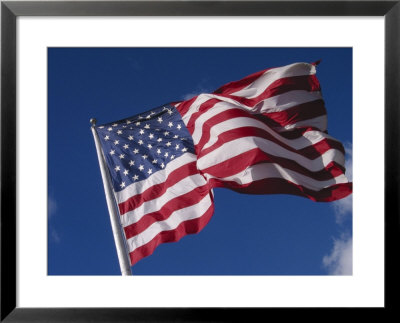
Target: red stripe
<point x="191" y="198"/>
<point x="255" y="156"/>
<point x="282" y="186"/>
<point x="307" y="83"/>
<point x="239" y="85"/>
<point x="184" y="107"/>
<point x="316" y="63"/>
<point x="244" y="132"/>
<point x="295" y="114"/>
<point x="187" y="227"/>
<point x="223" y="116"/>
<point x="204" y="107"/>
<point x="311" y="152"/>
<point x="158" y="189"/>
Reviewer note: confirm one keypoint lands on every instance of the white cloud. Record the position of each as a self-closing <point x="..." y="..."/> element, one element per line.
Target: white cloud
<point x="54" y="235"/>
<point x="51" y="207"/>
<point x="344" y="207"/>
<point x="340" y="260"/>
<point x="188" y="96"/>
<point x="51" y="211"/>
<point x="201" y="88"/>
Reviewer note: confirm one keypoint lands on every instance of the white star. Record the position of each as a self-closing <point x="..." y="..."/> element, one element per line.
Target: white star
<point x="141" y="131"/>
<point x="140" y="142"/>
<point x="137" y="123"/>
<point x="184" y="149"/>
<point x="109" y="129"/>
<point x="159" y="139"/>
<point x="150" y="171"/>
<point x="115" y="124"/>
<point x="158" y="151"/>
<point x="112" y="152"/>
<point x="135" y="151"/>
<point x="141" y="167"/>
<point x="154" y="161"/>
<point x="128" y="121"/>
<point x="145" y="156"/>
<point x="119" y="132"/>
<point x="173" y="156"/>
<point x="176" y="147"/>
<point x="162" y="165"/>
<point x="130" y="137"/>
<point x="149" y="116"/>
<point x="170" y="124"/>
<point x="126" y="172"/>
<point x="122" y="156"/>
<point x="116" y="142"/>
<point x="168" y="144"/>
<point x="135" y="177"/>
<point x="101" y="127"/>
<point x="147" y="126"/>
<point x="176" y="136"/>
<point x="160" y="120"/>
<point x="131" y="163"/>
<point x="151" y="136"/>
<point x="166" y="133"/>
<point x="179" y="127"/>
<point x="169" y="111"/>
<point x="166" y="155"/>
<point x="106" y="137"/>
<point x="117" y="168"/>
<point x="126" y="146"/>
<point x="149" y="146"/>
<point x="122" y="185"/>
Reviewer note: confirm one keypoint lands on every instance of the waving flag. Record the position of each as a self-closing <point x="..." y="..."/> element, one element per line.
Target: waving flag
<point x="264" y="134"/>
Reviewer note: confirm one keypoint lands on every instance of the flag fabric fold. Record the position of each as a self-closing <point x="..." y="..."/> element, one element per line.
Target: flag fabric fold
<point x="264" y="134"/>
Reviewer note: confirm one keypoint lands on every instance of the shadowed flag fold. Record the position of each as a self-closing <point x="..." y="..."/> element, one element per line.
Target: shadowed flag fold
<point x="263" y="134"/>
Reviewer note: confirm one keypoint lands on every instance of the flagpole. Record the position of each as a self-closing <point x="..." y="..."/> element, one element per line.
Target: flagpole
<point x="123" y="258"/>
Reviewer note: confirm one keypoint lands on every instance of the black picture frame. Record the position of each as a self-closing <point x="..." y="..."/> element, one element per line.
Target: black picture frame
<point x="10" y="10"/>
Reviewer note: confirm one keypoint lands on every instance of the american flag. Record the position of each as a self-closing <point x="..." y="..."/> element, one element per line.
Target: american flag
<point x="263" y="134"/>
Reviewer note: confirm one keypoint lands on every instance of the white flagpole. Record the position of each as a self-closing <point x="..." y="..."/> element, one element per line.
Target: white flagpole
<point x="123" y="258"/>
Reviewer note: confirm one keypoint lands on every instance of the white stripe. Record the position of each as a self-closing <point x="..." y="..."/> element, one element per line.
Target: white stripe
<point x="264" y="171"/>
<point x="261" y="84"/>
<point x="273" y="104"/>
<point x="239" y="146"/>
<point x="195" y="106"/>
<point x="202" y="98"/>
<point x="176" y="218"/>
<point x="182" y="187"/>
<point x="277" y="103"/>
<point x="157" y="178"/>
<point x="286" y="101"/>
<point x="309" y="138"/>
<point x="216" y="109"/>
<point x="320" y="123"/>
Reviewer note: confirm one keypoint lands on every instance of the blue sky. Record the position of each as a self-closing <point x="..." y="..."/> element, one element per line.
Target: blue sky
<point x="248" y="234"/>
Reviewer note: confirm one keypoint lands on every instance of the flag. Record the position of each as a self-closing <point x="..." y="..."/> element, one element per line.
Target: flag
<point x="264" y="134"/>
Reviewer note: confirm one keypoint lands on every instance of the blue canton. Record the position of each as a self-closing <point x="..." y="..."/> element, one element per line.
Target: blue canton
<point x="137" y="147"/>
